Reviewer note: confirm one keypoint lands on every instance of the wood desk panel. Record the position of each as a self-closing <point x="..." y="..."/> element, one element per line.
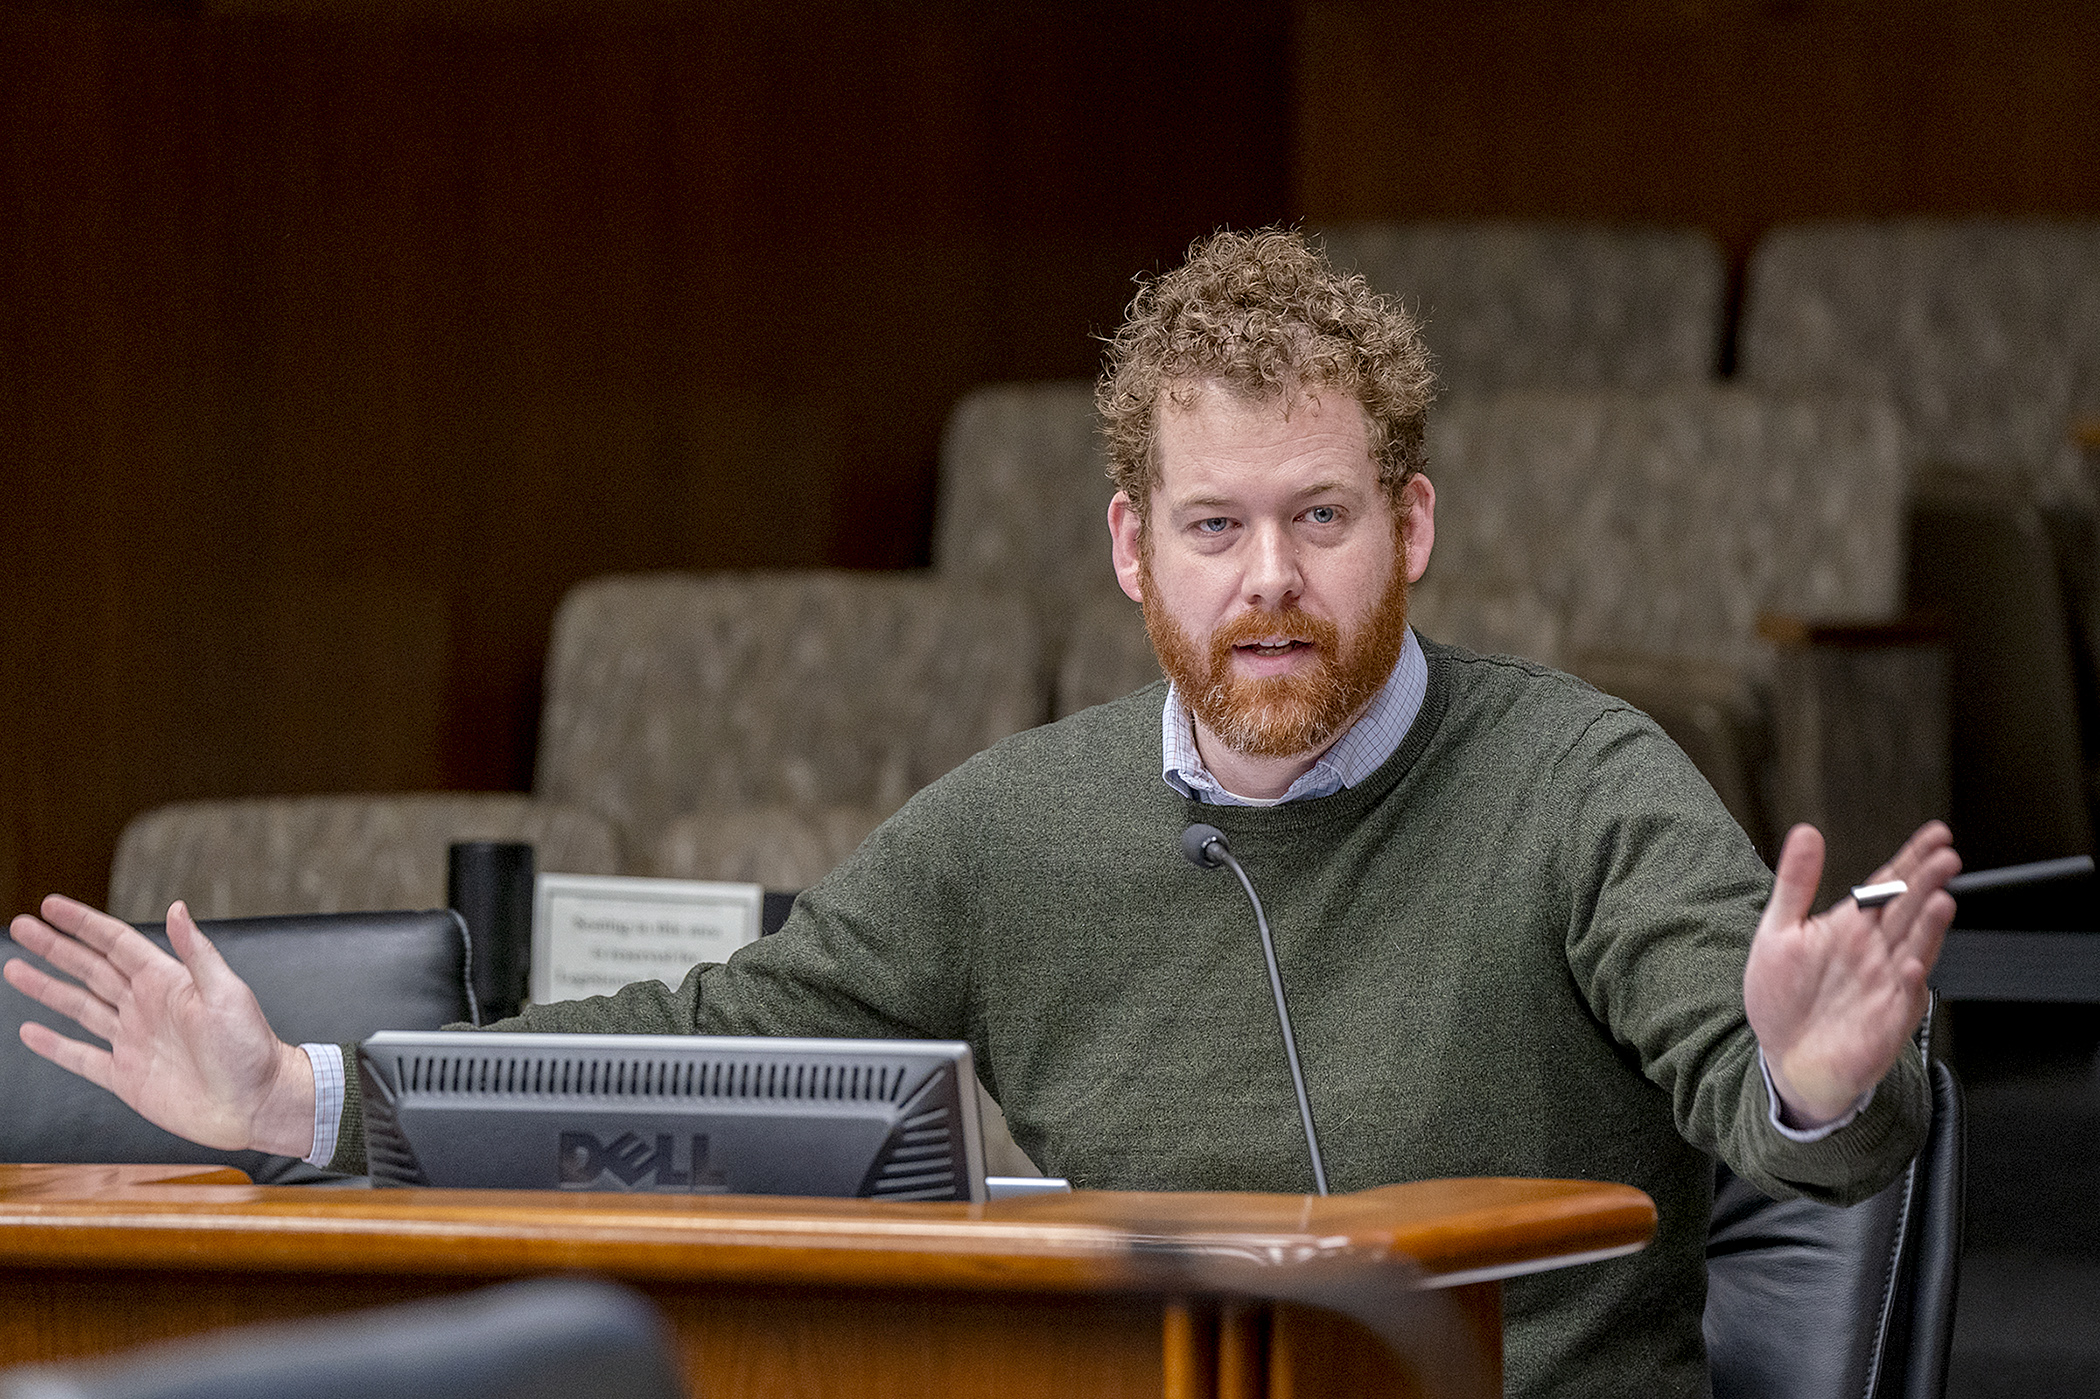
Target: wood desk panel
<point x="1196" y="1296"/>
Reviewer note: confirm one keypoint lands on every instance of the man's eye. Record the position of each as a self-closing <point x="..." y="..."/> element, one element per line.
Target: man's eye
<point x="1216" y="524"/>
<point x="1323" y="514"/>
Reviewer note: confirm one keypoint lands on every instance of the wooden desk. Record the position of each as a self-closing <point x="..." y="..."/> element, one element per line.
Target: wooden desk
<point x="1101" y="1294"/>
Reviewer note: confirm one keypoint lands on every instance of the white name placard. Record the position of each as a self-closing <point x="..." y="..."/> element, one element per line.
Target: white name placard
<point x="593" y="934"/>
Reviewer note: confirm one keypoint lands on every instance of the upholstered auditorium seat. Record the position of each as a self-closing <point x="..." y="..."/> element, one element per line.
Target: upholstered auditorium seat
<point x="1023" y="506"/>
<point x="1985" y="334"/>
<point x="1661" y="523"/>
<point x="798" y="699"/>
<point x="267" y="855"/>
<point x="1544" y="305"/>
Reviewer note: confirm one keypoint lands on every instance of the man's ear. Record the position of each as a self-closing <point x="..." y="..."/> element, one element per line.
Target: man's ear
<point x="1126" y="533"/>
<point x="1417" y="523"/>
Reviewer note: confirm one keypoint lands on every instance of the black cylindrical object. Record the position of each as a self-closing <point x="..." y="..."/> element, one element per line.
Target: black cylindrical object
<point x="489" y="884"/>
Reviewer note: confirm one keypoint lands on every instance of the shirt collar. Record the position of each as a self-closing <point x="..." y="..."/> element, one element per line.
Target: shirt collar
<point x="1358" y="753"/>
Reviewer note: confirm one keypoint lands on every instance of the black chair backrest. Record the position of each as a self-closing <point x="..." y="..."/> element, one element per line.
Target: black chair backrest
<point x="1810" y="1301"/>
<point x="327" y="978"/>
<point x="566" y="1338"/>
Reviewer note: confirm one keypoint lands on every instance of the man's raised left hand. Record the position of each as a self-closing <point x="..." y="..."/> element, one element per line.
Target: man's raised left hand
<point x="1834" y="997"/>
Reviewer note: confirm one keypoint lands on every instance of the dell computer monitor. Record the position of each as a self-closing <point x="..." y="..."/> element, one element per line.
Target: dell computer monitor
<point x="879" y="1119"/>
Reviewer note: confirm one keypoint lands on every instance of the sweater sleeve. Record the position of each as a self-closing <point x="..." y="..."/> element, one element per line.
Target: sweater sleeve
<point x="878" y="949"/>
<point x="1664" y="894"/>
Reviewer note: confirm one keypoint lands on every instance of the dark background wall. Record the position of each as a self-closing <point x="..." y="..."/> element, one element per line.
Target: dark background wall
<point x="338" y="338"/>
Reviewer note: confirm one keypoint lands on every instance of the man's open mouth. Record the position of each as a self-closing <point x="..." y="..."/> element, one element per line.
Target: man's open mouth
<point x="1278" y="647"/>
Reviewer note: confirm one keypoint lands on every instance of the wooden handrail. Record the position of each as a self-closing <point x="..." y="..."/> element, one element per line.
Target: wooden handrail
<point x="1089" y="1240"/>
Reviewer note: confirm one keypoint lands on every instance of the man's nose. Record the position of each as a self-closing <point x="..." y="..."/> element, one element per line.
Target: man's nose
<point x="1272" y="578"/>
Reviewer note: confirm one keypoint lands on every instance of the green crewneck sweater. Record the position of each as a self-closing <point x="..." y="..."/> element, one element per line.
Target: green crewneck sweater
<point x="1516" y="949"/>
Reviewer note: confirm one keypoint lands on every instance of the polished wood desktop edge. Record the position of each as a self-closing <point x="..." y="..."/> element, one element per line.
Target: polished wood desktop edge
<point x="1442" y="1233"/>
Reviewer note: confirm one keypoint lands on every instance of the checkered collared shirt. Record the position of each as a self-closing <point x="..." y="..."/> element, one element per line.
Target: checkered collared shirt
<point x="1358" y="753"/>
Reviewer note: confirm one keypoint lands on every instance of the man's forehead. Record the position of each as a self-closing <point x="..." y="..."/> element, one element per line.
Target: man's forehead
<point x="1319" y="436"/>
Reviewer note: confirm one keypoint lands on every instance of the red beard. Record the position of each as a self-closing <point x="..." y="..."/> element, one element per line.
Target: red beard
<point x="1279" y="716"/>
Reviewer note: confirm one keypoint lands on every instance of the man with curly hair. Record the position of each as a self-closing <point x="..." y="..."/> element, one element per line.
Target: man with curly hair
<point x="1521" y="935"/>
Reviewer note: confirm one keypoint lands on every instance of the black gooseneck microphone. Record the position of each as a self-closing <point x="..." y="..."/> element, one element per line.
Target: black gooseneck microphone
<point x="1206" y="849"/>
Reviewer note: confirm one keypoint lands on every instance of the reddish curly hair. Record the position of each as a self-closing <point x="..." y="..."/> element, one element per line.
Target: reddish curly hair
<point x="1266" y="316"/>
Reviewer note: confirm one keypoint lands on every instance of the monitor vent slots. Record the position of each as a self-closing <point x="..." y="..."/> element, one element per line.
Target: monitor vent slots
<point x="388" y="1155"/>
<point x="587" y="1076"/>
<point x="920" y="1162"/>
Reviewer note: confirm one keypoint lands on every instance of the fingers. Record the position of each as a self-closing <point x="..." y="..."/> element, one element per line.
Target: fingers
<point x="207" y="967"/>
<point x="1924" y="842"/>
<point x="73" y="958"/>
<point x="76" y="1003"/>
<point x="1916" y="924"/>
<point x="95" y="1065"/>
<point x="1800" y="870"/>
<point x="1916" y="921"/>
<point x="125" y="946"/>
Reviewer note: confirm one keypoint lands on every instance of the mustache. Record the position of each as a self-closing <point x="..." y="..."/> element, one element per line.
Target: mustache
<point x="1252" y="628"/>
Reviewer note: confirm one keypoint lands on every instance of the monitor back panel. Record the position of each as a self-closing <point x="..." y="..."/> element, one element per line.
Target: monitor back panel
<point x="881" y="1119"/>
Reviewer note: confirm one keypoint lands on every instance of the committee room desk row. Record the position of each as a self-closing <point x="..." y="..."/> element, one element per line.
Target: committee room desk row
<point x="1184" y="1296"/>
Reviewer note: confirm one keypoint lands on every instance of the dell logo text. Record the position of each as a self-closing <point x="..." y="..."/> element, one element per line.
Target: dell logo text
<point x="583" y="1162"/>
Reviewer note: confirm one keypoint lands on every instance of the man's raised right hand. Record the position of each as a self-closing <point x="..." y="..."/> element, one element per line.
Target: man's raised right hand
<point x="189" y="1049"/>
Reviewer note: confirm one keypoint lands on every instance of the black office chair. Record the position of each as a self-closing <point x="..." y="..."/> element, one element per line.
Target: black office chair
<point x="327" y="978"/>
<point x="567" y="1338"/>
<point x="1808" y="1301"/>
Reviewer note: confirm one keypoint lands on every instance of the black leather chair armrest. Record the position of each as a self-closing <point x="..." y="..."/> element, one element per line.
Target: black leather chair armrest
<point x="320" y="978"/>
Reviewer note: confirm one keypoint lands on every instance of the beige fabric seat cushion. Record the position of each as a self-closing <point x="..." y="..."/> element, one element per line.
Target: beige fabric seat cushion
<point x="1985" y="334"/>
<point x="1024" y="494"/>
<point x="1636" y="540"/>
<point x="1661" y="524"/>
<point x="1107" y="656"/>
<point x="1549" y="305"/>
<point x="332" y="854"/>
<point x="674" y="693"/>
<point x="781" y="847"/>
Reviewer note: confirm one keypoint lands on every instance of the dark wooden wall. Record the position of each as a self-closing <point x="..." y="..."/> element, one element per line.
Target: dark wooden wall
<point x="1732" y="115"/>
<point x="337" y="341"/>
<point x="334" y="349"/>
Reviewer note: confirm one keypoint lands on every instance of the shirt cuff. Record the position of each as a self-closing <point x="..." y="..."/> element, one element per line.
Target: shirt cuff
<point x="327" y="1060"/>
<point x="1792" y="1134"/>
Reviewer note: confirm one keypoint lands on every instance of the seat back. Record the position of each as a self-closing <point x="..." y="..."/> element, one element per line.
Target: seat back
<point x="1660" y="524"/>
<point x="1107" y="656"/>
<point x="549" y="1338"/>
<point x="1810" y="1301"/>
<point x="273" y="855"/>
<point x="675" y="693"/>
<point x="320" y="978"/>
<point x="1545" y="305"/>
<point x="780" y="847"/>
<point x="1024" y="494"/>
<point x="1985" y="333"/>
